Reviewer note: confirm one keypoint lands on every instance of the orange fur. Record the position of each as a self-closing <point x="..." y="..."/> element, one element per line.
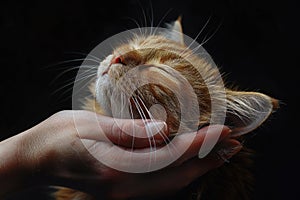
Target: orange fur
<point x="63" y="193"/>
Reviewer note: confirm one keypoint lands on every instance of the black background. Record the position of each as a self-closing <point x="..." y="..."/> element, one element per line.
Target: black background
<point x="256" y="45"/>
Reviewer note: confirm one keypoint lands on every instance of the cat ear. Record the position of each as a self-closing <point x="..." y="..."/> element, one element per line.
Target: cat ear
<point x="248" y="110"/>
<point x="174" y="31"/>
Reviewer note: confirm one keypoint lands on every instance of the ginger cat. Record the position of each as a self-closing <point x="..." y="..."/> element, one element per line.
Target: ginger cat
<point x="245" y="111"/>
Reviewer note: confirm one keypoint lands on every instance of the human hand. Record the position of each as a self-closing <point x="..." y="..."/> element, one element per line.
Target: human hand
<point x="54" y="154"/>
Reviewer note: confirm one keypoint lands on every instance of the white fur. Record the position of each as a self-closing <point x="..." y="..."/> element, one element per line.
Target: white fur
<point x="104" y="86"/>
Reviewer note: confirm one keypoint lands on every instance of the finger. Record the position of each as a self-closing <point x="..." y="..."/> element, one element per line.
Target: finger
<point x="135" y="133"/>
<point x="139" y="160"/>
<point x="196" y="167"/>
<point x="207" y="133"/>
<point x="227" y="148"/>
<point x="167" y="180"/>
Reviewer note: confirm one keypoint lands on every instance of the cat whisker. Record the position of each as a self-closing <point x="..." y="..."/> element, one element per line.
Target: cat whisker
<point x="144" y="13"/>
<point x="159" y="23"/>
<point x="89" y="55"/>
<point x="83" y="74"/>
<point x="64" y="98"/>
<point x="152" y="17"/>
<point x="75" y="67"/>
<point x="137" y="24"/>
<point x="142" y="114"/>
<point x="89" y="68"/>
<point x="206" y="40"/>
<point x="119" y="136"/>
<point x="196" y="49"/>
<point x="70" y="61"/>
<point x="165" y="138"/>
<point x="144" y="118"/>
<point x="61" y="98"/>
<point x="136" y="35"/>
<point x="73" y="82"/>
<point x="188" y="47"/>
<point x="66" y="91"/>
<point x="87" y="83"/>
<point x="132" y="117"/>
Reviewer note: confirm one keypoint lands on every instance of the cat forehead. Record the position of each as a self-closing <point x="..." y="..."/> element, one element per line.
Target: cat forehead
<point x="154" y="42"/>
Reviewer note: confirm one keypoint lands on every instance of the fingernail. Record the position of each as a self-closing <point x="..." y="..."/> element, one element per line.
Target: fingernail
<point x="212" y="134"/>
<point x="154" y="127"/>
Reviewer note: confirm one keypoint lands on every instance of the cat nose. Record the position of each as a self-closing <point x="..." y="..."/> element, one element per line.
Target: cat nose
<point x="117" y="60"/>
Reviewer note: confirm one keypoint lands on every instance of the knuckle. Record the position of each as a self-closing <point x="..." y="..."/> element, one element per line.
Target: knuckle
<point x="63" y="115"/>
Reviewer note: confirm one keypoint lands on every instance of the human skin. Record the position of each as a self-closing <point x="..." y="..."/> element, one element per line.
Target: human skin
<point x="52" y="153"/>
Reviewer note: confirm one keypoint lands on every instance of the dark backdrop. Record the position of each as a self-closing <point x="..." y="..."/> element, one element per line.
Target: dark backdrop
<point x="256" y="44"/>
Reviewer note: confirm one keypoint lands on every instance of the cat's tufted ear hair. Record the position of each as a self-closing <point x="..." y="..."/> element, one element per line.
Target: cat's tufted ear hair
<point x="248" y="110"/>
<point x="174" y="31"/>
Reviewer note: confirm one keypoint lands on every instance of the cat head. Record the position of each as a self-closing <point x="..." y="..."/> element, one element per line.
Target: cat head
<point x="160" y="56"/>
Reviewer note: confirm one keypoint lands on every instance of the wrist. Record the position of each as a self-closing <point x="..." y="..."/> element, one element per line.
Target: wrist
<point x="31" y="155"/>
<point x="21" y="162"/>
<point x="13" y="172"/>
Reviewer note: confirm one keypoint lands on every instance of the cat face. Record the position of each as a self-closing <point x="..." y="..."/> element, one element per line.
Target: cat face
<point x="157" y="58"/>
